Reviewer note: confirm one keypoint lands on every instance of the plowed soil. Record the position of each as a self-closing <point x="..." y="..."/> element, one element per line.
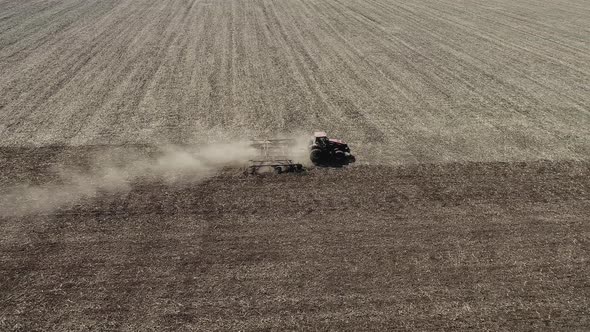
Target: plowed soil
<point x="429" y="246"/>
<point x="468" y="209"/>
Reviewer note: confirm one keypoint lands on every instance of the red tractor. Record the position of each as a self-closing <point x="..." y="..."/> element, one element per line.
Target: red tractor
<point x="329" y="152"/>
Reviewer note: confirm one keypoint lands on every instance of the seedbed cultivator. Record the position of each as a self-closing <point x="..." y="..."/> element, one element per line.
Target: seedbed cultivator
<point x="273" y="156"/>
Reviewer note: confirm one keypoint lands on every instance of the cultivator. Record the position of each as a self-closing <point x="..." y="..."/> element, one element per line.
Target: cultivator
<point x="273" y="156"/>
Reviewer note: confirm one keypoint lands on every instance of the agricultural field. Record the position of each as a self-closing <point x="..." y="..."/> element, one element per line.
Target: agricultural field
<point x="123" y="205"/>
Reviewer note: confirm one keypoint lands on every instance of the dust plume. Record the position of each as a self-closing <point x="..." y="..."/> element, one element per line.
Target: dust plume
<point x="114" y="174"/>
<point x="299" y="151"/>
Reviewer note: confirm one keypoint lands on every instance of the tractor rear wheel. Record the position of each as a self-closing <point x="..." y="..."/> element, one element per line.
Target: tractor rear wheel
<point x="316" y="156"/>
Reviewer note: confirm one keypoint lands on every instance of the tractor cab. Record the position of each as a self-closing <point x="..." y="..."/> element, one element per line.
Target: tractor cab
<point x="320" y="139"/>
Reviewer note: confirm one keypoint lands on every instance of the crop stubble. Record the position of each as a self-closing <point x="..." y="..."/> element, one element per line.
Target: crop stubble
<point x="405" y="81"/>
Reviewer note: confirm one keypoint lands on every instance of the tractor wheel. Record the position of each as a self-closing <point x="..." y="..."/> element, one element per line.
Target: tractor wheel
<point x="316" y="156"/>
<point x="278" y="169"/>
<point x="340" y="157"/>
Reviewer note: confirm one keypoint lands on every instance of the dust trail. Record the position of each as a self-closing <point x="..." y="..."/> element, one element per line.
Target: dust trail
<point x="106" y="174"/>
<point x="299" y="152"/>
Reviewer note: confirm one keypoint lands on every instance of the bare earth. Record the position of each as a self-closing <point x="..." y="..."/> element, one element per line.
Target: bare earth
<point x="469" y="207"/>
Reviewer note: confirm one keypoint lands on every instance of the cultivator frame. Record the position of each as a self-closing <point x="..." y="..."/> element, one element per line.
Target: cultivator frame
<point x="273" y="156"/>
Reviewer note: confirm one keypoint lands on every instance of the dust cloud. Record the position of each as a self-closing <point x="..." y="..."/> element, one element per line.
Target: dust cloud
<point x="108" y="174"/>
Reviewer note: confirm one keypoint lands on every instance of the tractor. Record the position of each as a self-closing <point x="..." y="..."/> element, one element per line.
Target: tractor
<point x="329" y="152"/>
